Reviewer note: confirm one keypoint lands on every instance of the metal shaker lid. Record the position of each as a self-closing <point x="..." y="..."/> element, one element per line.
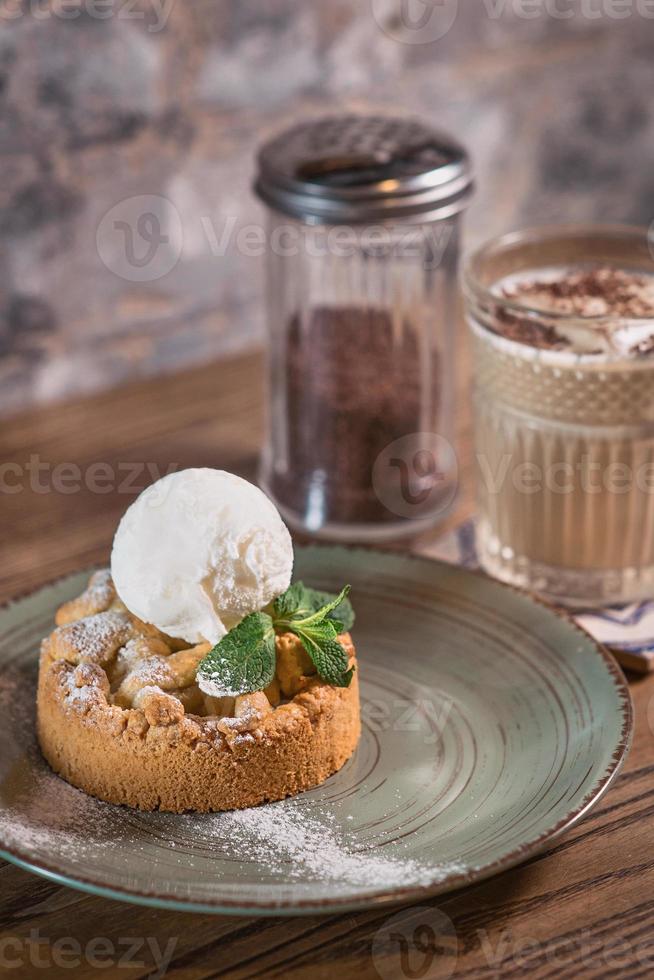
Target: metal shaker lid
<point x="342" y="169"/>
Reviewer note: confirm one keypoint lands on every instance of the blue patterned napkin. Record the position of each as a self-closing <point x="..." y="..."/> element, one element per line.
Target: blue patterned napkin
<point x="627" y="630"/>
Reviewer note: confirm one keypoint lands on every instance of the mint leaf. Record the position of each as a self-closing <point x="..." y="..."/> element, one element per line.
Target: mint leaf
<point x="343" y="612"/>
<point x="243" y="661"/>
<point x="299" y="601"/>
<point x="319" y="615"/>
<point x="289" y="602"/>
<point x="329" y="658"/>
<point x="319" y="632"/>
<point x="317" y="618"/>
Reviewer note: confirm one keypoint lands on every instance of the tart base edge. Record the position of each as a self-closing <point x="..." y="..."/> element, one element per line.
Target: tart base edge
<point x="192" y="767"/>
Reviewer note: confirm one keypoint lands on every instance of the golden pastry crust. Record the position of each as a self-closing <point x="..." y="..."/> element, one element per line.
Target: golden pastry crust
<point x="120" y="716"/>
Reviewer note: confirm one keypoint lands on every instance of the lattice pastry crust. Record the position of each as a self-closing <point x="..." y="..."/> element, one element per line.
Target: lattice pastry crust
<point x="121" y="716"/>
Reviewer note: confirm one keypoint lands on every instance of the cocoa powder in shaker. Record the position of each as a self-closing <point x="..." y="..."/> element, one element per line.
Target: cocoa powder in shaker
<point x="354" y="384"/>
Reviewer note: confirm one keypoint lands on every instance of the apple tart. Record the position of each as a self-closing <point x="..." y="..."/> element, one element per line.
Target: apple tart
<point x="121" y="715"/>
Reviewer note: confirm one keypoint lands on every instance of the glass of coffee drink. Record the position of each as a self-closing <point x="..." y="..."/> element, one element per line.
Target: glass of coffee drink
<point x="562" y="321"/>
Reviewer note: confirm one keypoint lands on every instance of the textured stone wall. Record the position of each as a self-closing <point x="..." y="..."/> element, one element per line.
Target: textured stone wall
<point x="114" y="113"/>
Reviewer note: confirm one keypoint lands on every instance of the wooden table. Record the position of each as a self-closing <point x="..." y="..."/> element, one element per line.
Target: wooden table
<point x="585" y="908"/>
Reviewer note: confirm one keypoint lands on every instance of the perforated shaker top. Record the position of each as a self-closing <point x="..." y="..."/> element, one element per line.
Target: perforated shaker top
<point x="343" y="169"/>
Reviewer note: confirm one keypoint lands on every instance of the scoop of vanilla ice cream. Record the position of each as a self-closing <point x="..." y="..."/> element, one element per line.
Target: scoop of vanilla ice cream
<point x="199" y="550"/>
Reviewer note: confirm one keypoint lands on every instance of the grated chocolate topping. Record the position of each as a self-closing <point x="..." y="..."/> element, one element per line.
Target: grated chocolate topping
<point x="610" y="311"/>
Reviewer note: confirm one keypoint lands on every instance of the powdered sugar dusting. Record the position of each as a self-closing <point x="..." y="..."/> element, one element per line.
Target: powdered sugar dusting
<point x="300" y="841"/>
<point x="52" y="818"/>
<point x="153" y="670"/>
<point x="41" y="815"/>
<point x="91" y="636"/>
<point x="101" y="589"/>
<point x="285" y="838"/>
<point x="81" y="697"/>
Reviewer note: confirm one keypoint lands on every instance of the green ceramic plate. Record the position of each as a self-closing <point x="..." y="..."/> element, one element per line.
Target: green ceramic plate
<point x="490" y="723"/>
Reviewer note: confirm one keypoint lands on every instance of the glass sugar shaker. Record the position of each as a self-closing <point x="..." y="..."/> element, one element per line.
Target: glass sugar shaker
<point x="363" y="233"/>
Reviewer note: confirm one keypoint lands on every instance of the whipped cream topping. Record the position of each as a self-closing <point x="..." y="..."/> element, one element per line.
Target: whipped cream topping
<point x="592" y="310"/>
<point x="198" y="551"/>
